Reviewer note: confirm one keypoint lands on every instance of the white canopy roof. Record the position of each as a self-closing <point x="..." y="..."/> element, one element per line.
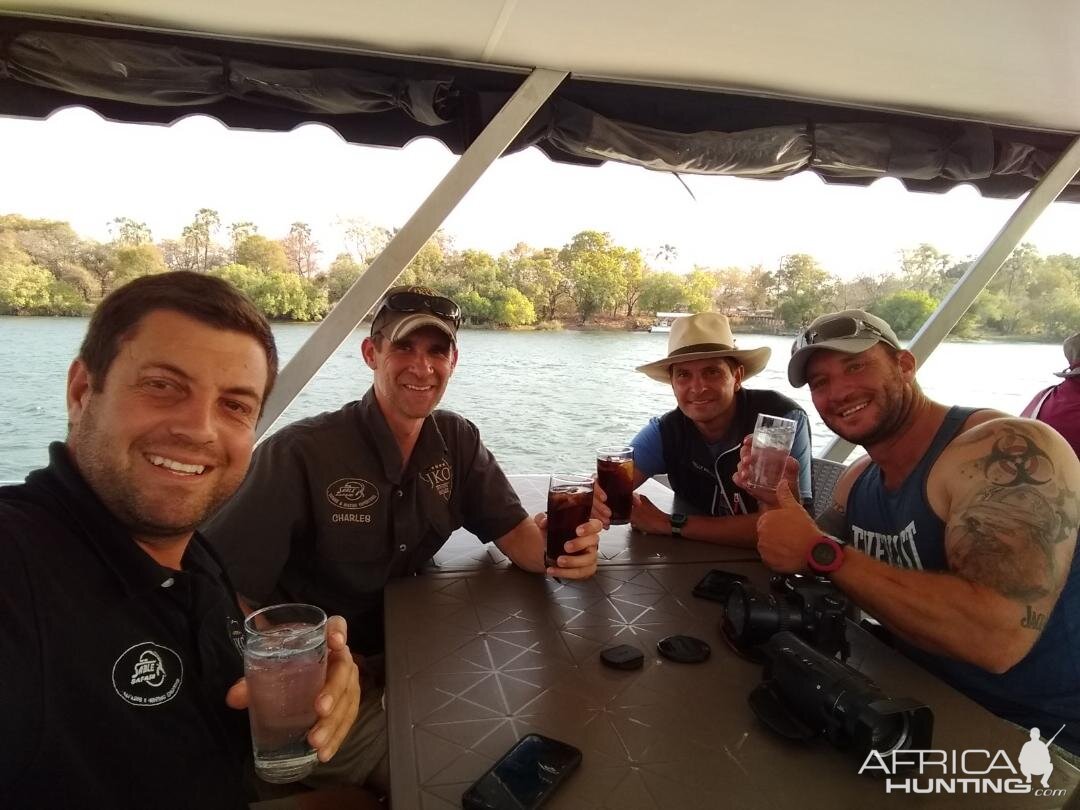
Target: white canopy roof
<point x="1013" y="63"/>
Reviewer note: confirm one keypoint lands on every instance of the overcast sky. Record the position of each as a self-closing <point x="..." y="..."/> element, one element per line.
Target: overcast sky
<point x="78" y="168"/>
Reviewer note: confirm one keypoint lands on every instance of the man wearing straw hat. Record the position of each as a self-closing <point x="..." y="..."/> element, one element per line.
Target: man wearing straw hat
<point x="1059" y="405"/>
<point x="697" y="443"/>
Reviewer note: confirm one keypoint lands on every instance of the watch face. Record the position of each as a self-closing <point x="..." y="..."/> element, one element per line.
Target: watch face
<point x="823" y="553"/>
<point x="678" y="519"/>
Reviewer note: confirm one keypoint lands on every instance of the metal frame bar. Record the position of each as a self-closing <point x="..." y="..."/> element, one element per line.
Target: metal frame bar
<point x="380" y="276"/>
<point x="974" y="281"/>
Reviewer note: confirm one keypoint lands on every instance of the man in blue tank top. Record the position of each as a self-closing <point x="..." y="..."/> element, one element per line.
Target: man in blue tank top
<point x="697" y="444"/>
<point x="956" y="531"/>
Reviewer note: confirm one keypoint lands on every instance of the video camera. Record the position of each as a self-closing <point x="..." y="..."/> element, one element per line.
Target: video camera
<point x="811" y="607"/>
<point x="805" y="692"/>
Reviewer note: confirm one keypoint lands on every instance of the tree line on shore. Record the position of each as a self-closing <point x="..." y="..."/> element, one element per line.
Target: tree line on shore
<point x="46" y="268"/>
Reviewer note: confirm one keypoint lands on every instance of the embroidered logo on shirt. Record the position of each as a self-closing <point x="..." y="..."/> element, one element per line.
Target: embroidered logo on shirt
<point x="439" y="478"/>
<point x="352" y="493"/>
<point x="147" y="674"/>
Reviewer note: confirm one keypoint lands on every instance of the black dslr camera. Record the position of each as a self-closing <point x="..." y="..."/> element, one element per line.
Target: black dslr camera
<point x="805" y="693"/>
<point x="811" y="607"/>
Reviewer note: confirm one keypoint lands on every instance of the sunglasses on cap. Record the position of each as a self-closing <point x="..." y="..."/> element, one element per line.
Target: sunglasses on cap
<point x="419" y="302"/>
<point x="845" y="327"/>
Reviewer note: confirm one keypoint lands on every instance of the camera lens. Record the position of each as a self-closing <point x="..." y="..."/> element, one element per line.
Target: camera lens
<point x="890" y="731"/>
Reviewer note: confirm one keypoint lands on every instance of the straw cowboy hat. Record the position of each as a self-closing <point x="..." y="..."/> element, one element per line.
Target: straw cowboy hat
<point x="700" y="337"/>
<point x="1072" y="354"/>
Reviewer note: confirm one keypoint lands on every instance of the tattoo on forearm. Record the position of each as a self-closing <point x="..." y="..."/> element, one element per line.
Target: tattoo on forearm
<point x="1006" y="532"/>
<point x="1033" y="620"/>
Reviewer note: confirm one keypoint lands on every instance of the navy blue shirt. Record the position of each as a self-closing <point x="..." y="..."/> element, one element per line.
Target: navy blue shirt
<point x="115" y="669"/>
<point x="900" y="528"/>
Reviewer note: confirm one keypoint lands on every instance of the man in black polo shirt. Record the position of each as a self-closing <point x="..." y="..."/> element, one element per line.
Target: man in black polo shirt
<point x="120" y="634"/>
<point x="336" y="505"/>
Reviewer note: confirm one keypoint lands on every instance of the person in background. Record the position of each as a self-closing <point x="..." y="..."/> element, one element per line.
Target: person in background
<point x="337" y="505"/>
<point x="956" y="531"/>
<point x="1059" y="405"/>
<point x="697" y="444"/>
<point x="120" y="645"/>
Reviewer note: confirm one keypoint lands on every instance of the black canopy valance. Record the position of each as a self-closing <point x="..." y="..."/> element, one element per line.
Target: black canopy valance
<point x="155" y="77"/>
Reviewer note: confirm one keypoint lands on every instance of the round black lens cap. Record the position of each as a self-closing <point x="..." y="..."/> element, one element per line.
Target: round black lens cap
<point x="623" y="657"/>
<point x="684" y="649"/>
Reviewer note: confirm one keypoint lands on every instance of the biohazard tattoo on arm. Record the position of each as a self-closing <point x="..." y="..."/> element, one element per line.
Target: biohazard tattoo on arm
<point x="1007" y="530"/>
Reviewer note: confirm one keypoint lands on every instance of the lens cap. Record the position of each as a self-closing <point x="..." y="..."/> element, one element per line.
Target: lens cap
<point x="683" y="649"/>
<point x="623" y="657"/>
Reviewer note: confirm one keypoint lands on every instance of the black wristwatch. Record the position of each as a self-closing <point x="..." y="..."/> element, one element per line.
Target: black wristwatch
<point x="678" y="520"/>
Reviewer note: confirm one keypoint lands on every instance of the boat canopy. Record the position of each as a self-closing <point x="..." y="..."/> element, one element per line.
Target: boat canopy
<point x="932" y="94"/>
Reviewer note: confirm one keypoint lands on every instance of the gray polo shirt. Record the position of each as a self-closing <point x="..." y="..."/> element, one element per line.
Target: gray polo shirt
<point x="327" y="515"/>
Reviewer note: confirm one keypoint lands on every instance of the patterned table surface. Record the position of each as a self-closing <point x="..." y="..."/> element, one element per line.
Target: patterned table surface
<point x="477" y="659"/>
<point x="619" y="545"/>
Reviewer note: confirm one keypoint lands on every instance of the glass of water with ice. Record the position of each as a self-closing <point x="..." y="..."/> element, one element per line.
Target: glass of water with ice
<point x="285" y="667"/>
<point x="773" y="437"/>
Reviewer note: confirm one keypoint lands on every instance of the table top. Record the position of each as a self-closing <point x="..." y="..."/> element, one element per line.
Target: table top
<point x="619" y="545"/>
<point x="476" y="659"/>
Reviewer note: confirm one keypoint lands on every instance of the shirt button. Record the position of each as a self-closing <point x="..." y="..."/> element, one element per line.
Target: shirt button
<point x="168" y="583"/>
<point x="401" y="493"/>
<point x="403" y="547"/>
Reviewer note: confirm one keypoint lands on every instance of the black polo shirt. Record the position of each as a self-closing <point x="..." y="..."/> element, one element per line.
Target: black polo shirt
<point x="327" y="515"/>
<point x="113" y="669"/>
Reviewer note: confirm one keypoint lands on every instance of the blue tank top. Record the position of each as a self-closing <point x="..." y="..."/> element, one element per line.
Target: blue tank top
<point x="901" y="529"/>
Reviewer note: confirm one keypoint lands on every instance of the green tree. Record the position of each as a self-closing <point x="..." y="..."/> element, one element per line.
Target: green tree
<point x="905" y="311"/>
<point x="631" y="278"/>
<point x="239" y="232"/>
<point x="301" y="249"/>
<point x="512" y="309"/>
<point x="129" y="232"/>
<point x="699" y="290"/>
<point x="198" y="238"/>
<point x="364" y="240"/>
<point x="589" y="260"/>
<point x="661" y="292"/>
<point x="342" y="274"/>
<point x="803" y="290"/>
<point x="24" y="289"/>
<point x="926" y="268"/>
<point x="262" y="254"/>
<point x="278" y="295"/>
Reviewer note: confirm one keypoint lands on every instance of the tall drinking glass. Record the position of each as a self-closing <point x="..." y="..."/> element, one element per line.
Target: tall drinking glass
<point x="773" y="437"/>
<point x="285" y="667"/>
<point x="615" y="475"/>
<point x="569" y="505"/>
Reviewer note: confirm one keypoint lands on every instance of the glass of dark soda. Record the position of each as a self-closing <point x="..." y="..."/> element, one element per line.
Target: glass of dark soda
<point x="615" y="475"/>
<point x="569" y="505"/>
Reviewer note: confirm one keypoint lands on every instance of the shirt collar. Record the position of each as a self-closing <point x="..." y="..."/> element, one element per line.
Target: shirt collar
<point x="92" y="521"/>
<point x="430" y="445"/>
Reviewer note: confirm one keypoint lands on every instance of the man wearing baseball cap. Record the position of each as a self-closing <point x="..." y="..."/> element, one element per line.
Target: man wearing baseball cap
<point x="1059" y="405"/>
<point x="956" y="530"/>
<point x="697" y="443"/>
<point x="336" y="505"/>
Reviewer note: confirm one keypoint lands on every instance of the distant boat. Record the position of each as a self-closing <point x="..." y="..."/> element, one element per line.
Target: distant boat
<point x="665" y="319"/>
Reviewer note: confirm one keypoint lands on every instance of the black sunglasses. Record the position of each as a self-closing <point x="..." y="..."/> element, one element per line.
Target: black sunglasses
<point x="419" y="302"/>
<point x="846" y="327"/>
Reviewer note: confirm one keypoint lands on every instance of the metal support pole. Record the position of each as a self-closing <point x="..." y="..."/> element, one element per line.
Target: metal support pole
<point x="380" y="276"/>
<point x="974" y="281"/>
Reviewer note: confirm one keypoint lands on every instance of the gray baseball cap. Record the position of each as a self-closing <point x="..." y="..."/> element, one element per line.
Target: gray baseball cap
<point x="851" y="331"/>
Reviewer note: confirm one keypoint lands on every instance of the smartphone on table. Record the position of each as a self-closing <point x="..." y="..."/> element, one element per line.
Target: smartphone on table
<point x="717" y="584"/>
<point x="525" y="776"/>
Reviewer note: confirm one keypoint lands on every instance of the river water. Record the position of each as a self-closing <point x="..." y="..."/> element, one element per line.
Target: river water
<point x="542" y="400"/>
